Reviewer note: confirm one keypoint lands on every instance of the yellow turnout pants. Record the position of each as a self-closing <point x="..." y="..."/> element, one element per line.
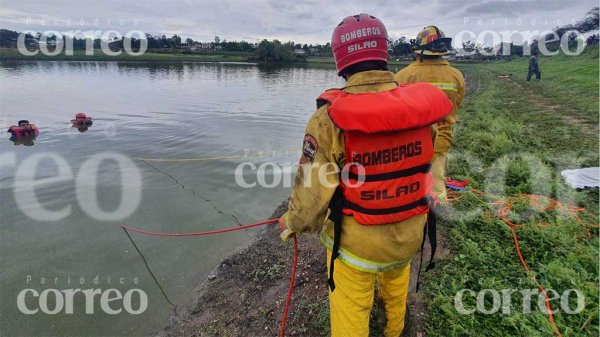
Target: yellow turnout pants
<point x="351" y="303"/>
<point x="438" y="169"/>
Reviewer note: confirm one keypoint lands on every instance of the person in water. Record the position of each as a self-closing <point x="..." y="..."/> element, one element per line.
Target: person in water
<point x="82" y="119"/>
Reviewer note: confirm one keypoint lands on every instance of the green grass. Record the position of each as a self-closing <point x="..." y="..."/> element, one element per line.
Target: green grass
<point x="573" y="80"/>
<point x="507" y="146"/>
<point x="315" y="321"/>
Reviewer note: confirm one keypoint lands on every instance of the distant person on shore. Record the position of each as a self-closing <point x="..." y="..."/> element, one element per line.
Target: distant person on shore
<point x="363" y="181"/>
<point x="429" y="66"/>
<point x="534" y="68"/>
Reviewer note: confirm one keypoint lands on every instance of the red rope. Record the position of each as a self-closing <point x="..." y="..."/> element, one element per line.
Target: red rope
<point x="290" y="292"/>
<point x="288" y="300"/>
<point x="533" y="279"/>
<point x="536" y="200"/>
<point x="218" y="231"/>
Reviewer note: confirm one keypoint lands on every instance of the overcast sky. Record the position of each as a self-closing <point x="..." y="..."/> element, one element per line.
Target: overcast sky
<point x="300" y="21"/>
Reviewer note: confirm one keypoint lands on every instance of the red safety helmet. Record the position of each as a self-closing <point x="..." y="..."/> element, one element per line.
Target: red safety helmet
<point x="80" y="115"/>
<point x="359" y="38"/>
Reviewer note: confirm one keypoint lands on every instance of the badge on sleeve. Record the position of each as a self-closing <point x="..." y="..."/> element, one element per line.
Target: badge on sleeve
<point x="309" y="149"/>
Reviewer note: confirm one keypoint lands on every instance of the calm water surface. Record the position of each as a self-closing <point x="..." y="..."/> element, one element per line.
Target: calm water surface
<point x="153" y="110"/>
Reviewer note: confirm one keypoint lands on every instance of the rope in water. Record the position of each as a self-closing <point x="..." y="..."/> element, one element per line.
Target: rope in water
<point x="288" y="299"/>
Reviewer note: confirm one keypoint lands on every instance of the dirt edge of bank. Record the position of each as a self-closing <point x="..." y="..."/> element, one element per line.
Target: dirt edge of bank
<point x="245" y="294"/>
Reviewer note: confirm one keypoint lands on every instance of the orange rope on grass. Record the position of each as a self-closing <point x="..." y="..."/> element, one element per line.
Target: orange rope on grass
<point x="542" y="203"/>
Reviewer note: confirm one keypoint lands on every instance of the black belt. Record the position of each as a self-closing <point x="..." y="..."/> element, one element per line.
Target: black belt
<point x="425" y="168"/>
<point x="390" y="210"/>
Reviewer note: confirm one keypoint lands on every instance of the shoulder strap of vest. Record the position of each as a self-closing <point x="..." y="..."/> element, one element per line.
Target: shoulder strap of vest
<point x="406" y="107"/>
<point x="430" y="232"/>
<point x="328" y="96"/>
<point x="335" y="205"/>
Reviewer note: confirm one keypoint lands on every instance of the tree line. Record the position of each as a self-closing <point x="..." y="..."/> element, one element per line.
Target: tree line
<point x="588" y="24"/>
<point x="267" y="51"/>
<point x="276" y="51"/>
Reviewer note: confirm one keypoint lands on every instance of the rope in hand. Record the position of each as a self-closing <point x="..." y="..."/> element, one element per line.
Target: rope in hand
<point x="290" y="292"/>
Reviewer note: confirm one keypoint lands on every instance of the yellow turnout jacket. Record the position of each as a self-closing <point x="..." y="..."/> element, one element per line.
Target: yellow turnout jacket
<point x="366" y="248"/>
<point x="439" y="73"/>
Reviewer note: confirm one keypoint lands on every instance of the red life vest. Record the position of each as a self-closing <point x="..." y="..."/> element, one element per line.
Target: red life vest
<point x="389" y="148"/>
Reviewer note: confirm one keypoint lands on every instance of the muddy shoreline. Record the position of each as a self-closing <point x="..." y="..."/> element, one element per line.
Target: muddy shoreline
<point x="244" y="295"/>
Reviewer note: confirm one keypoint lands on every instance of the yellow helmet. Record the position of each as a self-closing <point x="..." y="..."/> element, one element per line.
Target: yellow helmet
<point x="431" y="41"/>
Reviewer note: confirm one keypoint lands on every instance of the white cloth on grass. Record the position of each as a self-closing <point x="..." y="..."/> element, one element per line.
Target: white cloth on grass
<point x="580" y="178"/>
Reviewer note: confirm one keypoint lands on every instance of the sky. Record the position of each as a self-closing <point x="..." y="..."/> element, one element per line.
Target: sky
<point x="310" y="21"/>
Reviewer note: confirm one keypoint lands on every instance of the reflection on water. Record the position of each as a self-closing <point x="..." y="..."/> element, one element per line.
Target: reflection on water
<point x="26" y="140"/>
<point x="149" y="110"/>
<point x="82" y="127"/>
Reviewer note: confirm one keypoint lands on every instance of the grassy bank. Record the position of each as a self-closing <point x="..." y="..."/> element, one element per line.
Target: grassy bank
<point x="572" y="80"/>
<point x="171" y="56"/>
<point x="514" y="138"/>
<point x="79" y="55"/>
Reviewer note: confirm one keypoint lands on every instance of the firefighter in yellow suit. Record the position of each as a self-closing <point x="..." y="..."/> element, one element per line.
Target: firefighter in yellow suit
<point x="367" y="254"/>
<point x="429" y="66"/>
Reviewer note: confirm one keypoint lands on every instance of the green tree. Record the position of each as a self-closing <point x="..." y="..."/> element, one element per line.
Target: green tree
<point x="275" y="52"/>
<point x="175" y="41"/>
<point x="400" y="47"/>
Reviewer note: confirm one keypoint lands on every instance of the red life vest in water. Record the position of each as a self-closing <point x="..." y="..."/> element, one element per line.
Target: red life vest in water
<point x="24" y="130"/>
<point x="389" y="148"/>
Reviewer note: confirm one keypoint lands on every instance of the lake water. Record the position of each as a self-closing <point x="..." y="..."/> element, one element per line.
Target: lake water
<point x="140" y="110"/>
